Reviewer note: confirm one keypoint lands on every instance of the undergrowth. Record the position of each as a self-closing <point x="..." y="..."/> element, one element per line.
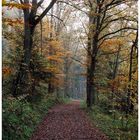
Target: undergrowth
<point x="20" y="118"/>
<point x="120" y="128"/>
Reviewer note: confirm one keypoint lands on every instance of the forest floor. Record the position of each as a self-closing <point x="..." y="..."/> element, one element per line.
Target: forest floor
<point x="67" y="122"/>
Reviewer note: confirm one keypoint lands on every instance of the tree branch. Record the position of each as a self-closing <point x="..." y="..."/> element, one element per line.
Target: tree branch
<point x="57" y="18"/>
<point x="45" y="12"/>
<point x="116" y="19"/>
<point x="78" y="61"/>
<point x="39" y="3"/>
<point x="125" y="28"/>
<point x="73" y="6"/>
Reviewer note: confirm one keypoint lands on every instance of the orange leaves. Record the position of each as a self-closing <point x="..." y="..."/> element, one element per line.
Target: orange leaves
<point x="55" y="52"/>
<point x="11" y="5"/>
<point x="119" y="83"/>
<point x="6" y="71"/>
<point x="110" y="45"/>
<point x="15" y="5"/>
<point x="113" y="42"/>
<point x="12" y="22"/>
<point x="55" y="58"/>
<point x="55" y="44"/>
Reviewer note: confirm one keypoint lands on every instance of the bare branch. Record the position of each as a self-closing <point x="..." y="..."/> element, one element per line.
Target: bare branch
<point x="116" y="19"/>
<point x="21" y="1"/>
<point x="74" y="6"/>
<point x="33" y="9"/>
<point x="45" y="12"/>
<point x="39" y="3"/>
<point x="57" y="18"/>
<point x="78" y="61"/>
<point x="122" y="29"/>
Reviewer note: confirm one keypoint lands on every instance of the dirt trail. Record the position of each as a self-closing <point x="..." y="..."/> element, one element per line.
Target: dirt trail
<point x="67" y="122"/>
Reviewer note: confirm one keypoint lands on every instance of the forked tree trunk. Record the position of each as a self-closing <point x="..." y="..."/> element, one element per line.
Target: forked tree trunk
<point x="30" y="22"/>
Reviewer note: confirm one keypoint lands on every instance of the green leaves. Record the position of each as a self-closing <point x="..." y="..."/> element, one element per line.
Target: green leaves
<point x="20" y="118"/>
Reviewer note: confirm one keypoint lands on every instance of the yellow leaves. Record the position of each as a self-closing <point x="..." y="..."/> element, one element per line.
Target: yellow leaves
<point x="132" y="36"/>
<point x="3" y="2"/>
<point x="135" y="75"/>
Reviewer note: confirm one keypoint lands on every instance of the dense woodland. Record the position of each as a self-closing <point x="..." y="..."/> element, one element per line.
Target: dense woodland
<point x="58" y="50"/>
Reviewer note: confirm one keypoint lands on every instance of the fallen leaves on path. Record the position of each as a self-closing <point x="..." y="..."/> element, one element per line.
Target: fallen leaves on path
<point x="67" y="122"/>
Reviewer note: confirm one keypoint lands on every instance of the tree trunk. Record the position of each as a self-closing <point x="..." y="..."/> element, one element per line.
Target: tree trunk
<point x="22" y="79"/>
<point x="130" y="79"/>
<point x="66" y="88"/>
<point x="91" y="84"/>
<point x="91" y="71"/>
<point x="92" y="53"/>
<point x="21" y="82"/>
<point x="51" y="87"/>
<point x="66" y="79"/>
<point x="130" y="105"/>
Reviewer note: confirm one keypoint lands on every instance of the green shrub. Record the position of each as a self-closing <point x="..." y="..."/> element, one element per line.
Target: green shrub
<point x="120" y="128"/>
<point x="20" y="118"/>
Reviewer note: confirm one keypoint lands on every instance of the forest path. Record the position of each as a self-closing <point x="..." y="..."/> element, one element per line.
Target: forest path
<point x="67" y="122"/>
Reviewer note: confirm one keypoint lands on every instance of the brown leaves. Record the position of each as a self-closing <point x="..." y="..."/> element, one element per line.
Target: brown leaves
<point x="67" y="122"/>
